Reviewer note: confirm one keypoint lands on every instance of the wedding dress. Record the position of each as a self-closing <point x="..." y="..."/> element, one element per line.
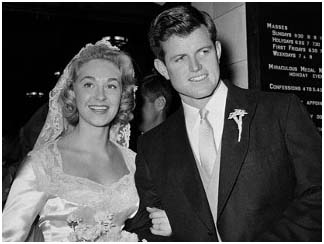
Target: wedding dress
<point x="46" y="190"/>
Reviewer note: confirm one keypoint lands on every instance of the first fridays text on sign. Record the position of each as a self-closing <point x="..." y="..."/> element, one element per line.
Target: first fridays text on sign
<point x="294" y="65"/>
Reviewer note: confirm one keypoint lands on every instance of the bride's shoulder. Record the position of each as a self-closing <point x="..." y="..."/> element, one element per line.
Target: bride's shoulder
<point x="40" y="161"/>
<point x="128" y="152"/>
<point x="44" y="156"/>
<point x="48" y="148"/>
<point x="129" y="156"/>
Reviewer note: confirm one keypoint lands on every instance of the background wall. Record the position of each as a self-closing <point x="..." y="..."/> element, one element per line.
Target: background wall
<point x="230" y="20"/>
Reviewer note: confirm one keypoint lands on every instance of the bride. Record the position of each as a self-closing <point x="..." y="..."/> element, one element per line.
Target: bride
<point x="78" y="181"/>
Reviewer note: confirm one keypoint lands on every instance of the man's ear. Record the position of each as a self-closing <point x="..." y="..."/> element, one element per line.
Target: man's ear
<point x="161" y="68"/>
<point x="218" y="47"/>
<point x="159" y="103"/>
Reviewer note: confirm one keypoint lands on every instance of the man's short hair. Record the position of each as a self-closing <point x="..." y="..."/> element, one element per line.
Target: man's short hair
<point x="180" y="21"/>
<point x="154" y="86"/>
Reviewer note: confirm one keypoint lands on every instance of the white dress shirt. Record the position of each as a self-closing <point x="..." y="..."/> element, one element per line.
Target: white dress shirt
<point x="216" y="108"/>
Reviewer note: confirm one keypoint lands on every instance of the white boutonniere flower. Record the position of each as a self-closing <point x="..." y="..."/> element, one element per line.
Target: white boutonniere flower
<point x="237" y="115"/>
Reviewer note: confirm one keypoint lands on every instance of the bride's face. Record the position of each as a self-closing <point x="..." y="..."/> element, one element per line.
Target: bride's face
<point x="97" y="91"/>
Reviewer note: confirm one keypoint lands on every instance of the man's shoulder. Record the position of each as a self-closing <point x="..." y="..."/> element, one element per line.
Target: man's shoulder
<point x="261" y="94"/>
<point x="267" y="97"/>
<point x="271" y="104"/>
<point x="275" y="99"/>
<point x="163" y="130"/>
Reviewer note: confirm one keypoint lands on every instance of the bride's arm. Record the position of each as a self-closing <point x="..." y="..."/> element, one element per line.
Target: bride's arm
<point x="23" y="205"/>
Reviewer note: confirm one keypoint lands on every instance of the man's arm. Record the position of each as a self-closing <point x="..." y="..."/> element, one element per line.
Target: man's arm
<point x="141" y="223"/>
<point x="302" y="220"/>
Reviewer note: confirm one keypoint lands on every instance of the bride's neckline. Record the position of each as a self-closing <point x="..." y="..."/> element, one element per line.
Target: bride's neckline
<point x="60" y="159"/>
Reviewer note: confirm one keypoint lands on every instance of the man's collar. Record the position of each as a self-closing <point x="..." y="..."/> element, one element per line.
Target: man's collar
<point x="191" y="113"/>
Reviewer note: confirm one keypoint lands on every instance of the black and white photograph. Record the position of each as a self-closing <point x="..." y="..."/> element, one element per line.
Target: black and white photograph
<point x="161" y="121"/>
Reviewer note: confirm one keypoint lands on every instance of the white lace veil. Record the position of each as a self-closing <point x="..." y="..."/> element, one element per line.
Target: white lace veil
<point x="55" y="124"/>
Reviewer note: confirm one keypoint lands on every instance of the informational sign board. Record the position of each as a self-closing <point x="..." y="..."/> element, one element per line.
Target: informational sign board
<point x="286" y="55"/>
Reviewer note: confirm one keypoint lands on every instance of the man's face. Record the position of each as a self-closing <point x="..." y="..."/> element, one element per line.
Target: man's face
<point x="192" y="65"/>
<point x="149" y="114"/>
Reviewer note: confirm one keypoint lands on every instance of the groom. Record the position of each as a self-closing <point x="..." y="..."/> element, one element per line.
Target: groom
<point x="249" y="170"/>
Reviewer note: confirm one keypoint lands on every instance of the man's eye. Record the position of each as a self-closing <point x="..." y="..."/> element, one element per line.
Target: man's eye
<point x="205" y="51"/>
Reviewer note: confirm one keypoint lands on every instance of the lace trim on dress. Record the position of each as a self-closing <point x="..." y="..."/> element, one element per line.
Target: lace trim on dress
<point x="47" y="165"/>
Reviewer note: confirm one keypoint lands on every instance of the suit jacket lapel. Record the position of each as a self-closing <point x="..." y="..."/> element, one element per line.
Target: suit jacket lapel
<point x="181" y="158"/>
<point x="234" y="152"/>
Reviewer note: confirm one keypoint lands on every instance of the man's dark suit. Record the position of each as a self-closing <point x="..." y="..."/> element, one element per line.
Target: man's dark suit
<point x="270" y="181"/>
